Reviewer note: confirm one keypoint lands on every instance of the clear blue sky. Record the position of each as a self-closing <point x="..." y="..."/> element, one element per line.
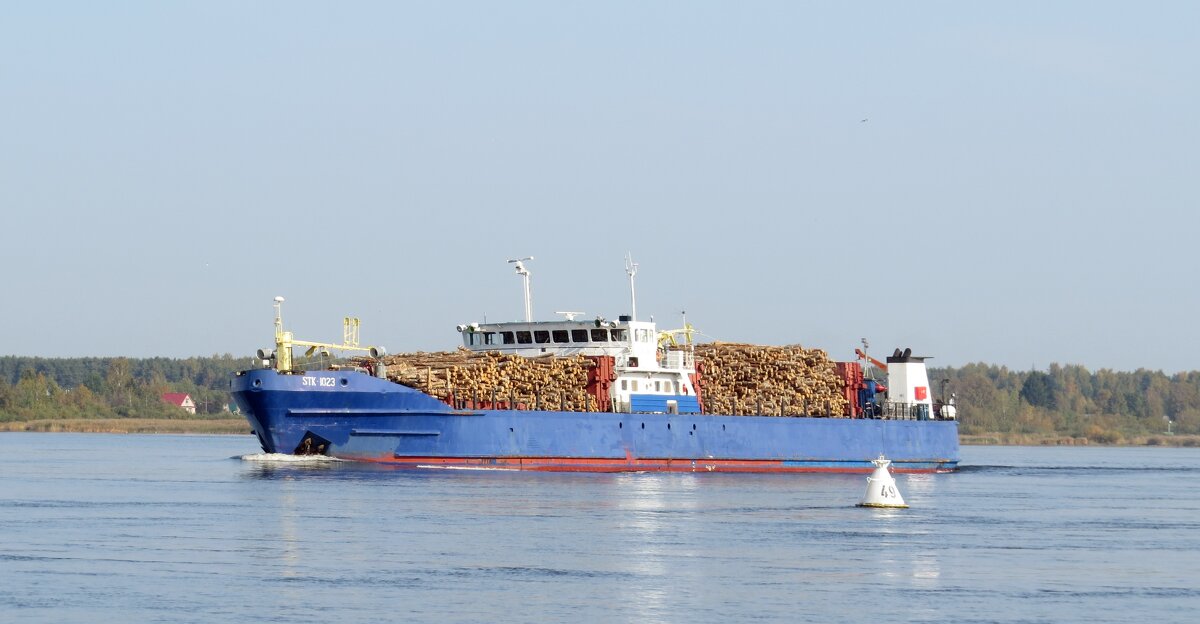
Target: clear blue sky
<point x="1024" y="190"/>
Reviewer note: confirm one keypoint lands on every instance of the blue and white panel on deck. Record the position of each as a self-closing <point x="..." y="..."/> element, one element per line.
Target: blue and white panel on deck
<point x="657" y="403"/>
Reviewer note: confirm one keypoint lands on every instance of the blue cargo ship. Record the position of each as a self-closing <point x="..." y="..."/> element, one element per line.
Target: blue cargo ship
<point x="648" y="411"/>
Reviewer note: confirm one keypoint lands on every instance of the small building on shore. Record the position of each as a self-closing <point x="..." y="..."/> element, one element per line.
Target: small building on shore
<point x="180" y="399"/>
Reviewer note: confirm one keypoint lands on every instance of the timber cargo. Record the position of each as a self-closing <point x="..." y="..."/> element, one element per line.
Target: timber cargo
<point x="595" y="395"/>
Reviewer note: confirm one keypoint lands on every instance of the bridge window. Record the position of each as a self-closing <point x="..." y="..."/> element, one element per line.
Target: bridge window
<point x="541" y="336"/>
<point x="618" y="335"/>
<point x="508" y="337"/>
<point x="599" y="335"/>
<point x="524" y="337"/>
<point x="633" y="362"/>
<point x="579" y="335"/>
<point x="642" y="335"/>
<point x="489" y="338"/>
<point x="561" y="335"/>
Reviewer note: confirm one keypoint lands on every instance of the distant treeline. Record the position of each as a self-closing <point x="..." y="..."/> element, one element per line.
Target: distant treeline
<point x="1103" y="406"/>
<point x="34" y="388"/>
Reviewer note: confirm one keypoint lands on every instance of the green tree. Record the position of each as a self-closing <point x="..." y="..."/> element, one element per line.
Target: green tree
<point x="1038" y="390"/>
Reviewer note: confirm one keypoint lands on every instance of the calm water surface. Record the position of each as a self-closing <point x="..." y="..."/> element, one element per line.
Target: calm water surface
<point x="106" y="528"/>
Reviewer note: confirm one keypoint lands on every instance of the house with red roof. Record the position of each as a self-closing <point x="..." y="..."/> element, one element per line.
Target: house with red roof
<point x="180" y="399"/>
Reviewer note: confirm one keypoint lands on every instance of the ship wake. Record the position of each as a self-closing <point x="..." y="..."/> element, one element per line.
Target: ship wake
<point x="284" y="458"/>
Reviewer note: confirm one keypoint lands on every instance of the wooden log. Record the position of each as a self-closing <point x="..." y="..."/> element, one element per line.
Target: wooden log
<point x="789" y="378"/>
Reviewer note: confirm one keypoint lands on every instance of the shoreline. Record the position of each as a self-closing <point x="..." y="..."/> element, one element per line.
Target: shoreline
<point x="1022" y="439"/>
<point x="226" y="426"/>
<point x="238" y="426"/>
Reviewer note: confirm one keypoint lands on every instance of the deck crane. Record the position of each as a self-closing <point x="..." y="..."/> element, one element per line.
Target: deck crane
<point x="863" y="356"/>
<point x="282" y="358"/>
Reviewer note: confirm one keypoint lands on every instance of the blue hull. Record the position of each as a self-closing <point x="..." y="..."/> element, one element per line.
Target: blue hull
<point x="351" y="415"/>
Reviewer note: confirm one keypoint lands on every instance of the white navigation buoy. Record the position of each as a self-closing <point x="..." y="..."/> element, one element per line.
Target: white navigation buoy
<point x="881" y="488"/>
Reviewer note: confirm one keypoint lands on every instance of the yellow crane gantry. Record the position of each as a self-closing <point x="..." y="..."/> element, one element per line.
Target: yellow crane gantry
<point x="284" y="341"/>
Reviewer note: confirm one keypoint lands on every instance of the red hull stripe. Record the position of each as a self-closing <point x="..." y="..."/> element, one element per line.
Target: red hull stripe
<point x="570" y="464"/>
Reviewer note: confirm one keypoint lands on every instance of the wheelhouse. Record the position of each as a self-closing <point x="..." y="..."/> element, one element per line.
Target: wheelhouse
<point x="652" y="374"/>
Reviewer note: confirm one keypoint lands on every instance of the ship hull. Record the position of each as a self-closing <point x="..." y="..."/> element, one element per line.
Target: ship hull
<point x="353" y="416"/>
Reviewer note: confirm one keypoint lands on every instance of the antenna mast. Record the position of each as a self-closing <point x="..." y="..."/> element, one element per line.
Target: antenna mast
<point x="524" y="273"/>
<point x="278" y="318"/>
<point x="631" y="268"/>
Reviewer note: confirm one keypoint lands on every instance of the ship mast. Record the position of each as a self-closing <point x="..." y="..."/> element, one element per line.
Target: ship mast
<point x="283" y="340"/>
<point x="524" y="273"/>
<point x="631" y="268"/>
<point x="278" y="318"/>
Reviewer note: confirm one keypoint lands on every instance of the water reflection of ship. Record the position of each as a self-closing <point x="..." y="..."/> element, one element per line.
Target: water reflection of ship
<point x="649" y="503"/>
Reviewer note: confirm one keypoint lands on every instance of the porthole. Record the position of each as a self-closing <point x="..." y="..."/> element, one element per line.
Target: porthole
<point x="693" y="426"/>
<point x="257" y="383"/>
<point x="643" y="425"/>
<point x="620" y="425"/>
<point x="345" y="382"/>
<point x="668" y="425"/>
<point x="722" y="427"/>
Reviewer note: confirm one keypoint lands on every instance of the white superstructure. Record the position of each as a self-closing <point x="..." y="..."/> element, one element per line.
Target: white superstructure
<point x="908" y="384"/>
<point x="652" y="370"/>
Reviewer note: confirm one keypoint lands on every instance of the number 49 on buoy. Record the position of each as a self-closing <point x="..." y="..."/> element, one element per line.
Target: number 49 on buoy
<point x="881" y="488"/>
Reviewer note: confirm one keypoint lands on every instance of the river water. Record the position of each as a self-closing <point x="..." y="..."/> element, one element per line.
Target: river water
<point x="121" y="528"/>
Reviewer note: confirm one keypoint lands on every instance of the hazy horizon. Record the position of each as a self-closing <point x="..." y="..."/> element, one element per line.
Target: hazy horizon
<point x="997" y="183"/>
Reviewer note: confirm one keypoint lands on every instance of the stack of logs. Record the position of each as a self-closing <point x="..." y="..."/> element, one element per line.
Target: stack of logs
<point x="753" y="379"/>
<point x="737" y="379"/>
<point x="488" y="378"/>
